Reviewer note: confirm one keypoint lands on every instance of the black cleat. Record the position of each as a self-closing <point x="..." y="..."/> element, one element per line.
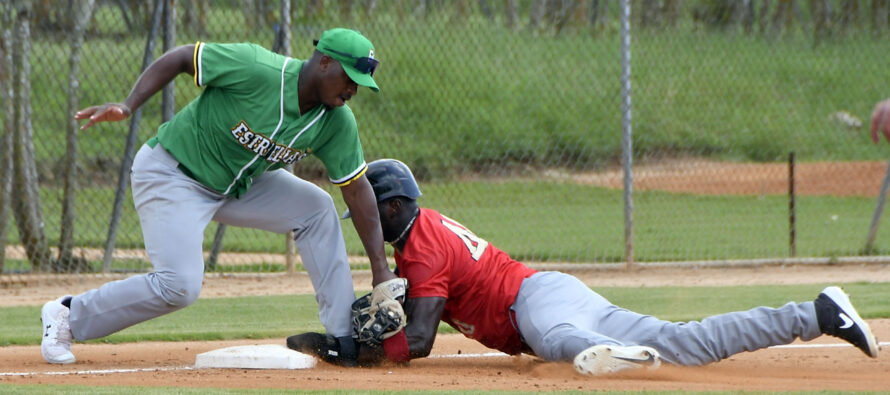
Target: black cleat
<point x="838" y="318"/>
<point x="326" y="347"/>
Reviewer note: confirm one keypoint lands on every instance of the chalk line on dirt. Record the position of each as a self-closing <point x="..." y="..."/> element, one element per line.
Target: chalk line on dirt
<point x="99" y="371"/>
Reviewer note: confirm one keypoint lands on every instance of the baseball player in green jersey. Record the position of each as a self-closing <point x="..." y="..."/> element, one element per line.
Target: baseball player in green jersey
<point x="222" y="158"/>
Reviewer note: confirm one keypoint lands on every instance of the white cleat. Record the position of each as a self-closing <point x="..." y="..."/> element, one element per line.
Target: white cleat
<point x="604" y="359"/>
<point x="57" y="337"/>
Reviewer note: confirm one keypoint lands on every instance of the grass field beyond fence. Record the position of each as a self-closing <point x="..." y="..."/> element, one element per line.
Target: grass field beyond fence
<point x="565" y="222"/>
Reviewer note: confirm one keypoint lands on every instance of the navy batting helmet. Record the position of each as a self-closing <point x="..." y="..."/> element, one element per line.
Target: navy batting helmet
<point x="391" y="178"/>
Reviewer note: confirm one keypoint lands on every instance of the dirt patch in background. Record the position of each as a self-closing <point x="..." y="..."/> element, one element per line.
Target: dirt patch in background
<point x="700" y="176"/>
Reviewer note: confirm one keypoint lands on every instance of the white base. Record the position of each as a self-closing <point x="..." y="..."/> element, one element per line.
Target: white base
<point x="268" y="356"/>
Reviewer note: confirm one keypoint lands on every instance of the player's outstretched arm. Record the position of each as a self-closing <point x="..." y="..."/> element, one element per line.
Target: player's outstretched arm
<point x="176" y="61"/>
<point x="880" y="121"/>
<point x="359" y="197"/>
<point x="423" y="324"/>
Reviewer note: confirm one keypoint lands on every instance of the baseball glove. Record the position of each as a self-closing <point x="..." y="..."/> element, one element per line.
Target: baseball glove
<point x="338" y="351"/>
<point x="371" y="326"/>
<point x="389" y="296"/>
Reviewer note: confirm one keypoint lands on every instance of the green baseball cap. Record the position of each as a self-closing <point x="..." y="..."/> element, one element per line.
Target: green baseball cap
<point x="354" y="52"/>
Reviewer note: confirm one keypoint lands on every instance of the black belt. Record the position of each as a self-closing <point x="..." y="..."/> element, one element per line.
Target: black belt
<point x="186" y="171"/>
<point x="152" y="142"/>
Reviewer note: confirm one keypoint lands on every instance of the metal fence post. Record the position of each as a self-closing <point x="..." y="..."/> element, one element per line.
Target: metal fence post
<point x="168" y="96"/>
<point x="626" y="142"/>
<point x="124" y="175"/>
<point x="282" y="39"/>
<point x="792" y="223"/>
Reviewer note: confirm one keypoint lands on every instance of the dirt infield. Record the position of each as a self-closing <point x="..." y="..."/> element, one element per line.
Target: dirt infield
<point x="166" y="364"/>
<point x="834" y="366"/>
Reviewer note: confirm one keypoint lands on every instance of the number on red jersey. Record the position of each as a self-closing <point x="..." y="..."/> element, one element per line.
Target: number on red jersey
<point x="475" y="244"/>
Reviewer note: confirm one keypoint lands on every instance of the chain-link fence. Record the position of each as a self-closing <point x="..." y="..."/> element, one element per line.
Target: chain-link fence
<point x="509" y="112"/>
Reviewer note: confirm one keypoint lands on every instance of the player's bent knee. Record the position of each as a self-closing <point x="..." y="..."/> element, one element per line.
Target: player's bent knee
<point x="181" y="298"/>
<point x="318" y="198"/>
<point x="180" y="293"/>
<point x="327" y="205"/>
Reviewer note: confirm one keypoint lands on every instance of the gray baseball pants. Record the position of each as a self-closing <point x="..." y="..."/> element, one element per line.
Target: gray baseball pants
<point x="558" y="317"/>
<point x="174" y="210"/>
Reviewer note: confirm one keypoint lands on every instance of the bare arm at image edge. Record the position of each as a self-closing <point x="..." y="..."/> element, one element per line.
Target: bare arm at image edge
<point x="880" y="121"/>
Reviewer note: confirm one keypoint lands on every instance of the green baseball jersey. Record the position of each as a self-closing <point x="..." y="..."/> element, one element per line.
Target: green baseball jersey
<point x="247" y="121"/>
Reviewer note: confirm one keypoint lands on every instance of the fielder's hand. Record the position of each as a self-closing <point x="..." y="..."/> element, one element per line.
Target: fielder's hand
<point x="880" y="121"/>
<point x="109" y="112"/>
<point x="390" y="294"/>
<point x="394" y="289"/>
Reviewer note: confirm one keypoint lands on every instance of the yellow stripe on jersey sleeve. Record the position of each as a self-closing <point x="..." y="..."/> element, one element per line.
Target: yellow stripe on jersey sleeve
<point x="195" y="62"/>
<point x="351" y="179"/>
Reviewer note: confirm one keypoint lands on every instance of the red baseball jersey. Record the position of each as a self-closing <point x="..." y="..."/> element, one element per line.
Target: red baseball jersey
<point x="479" y="282"/>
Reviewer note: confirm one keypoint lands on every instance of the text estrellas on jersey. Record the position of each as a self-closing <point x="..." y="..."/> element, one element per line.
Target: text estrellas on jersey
<point x="264" y="146"/>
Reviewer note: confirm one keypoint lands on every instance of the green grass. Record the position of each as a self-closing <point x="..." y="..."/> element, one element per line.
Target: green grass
<point x="552" y="221"/>
<point x="536" y="220"/>
<point x="695" y="303"/>
<point x="208" y="319"/>
<point x="256" y="317"/>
